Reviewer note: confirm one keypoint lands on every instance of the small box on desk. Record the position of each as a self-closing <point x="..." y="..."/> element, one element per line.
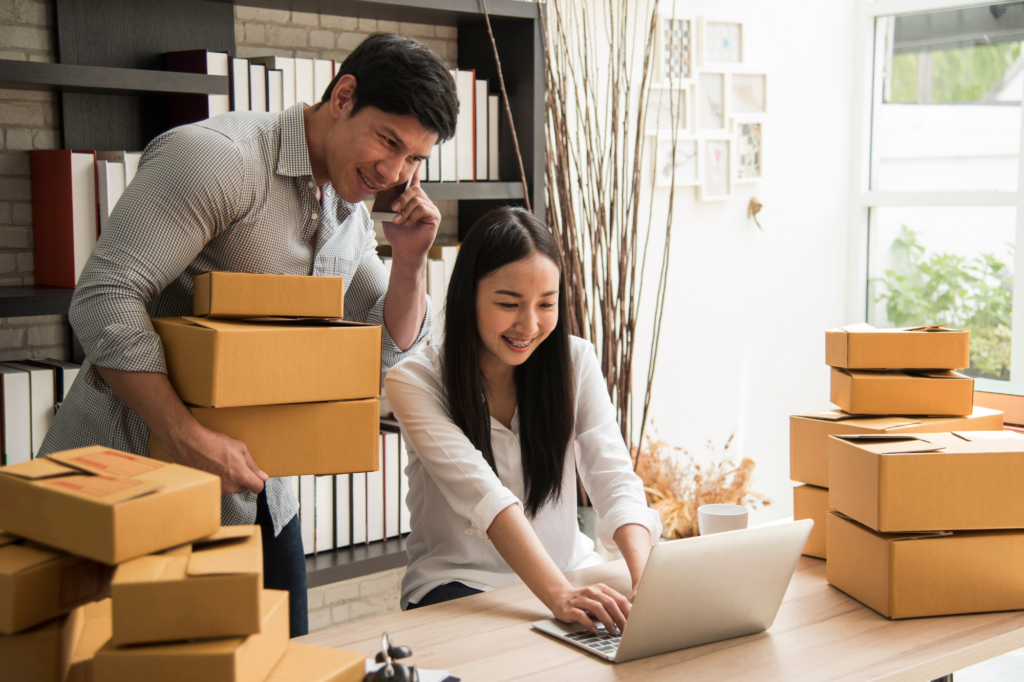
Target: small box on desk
<point x="910" y="575"/>
<point x="891" y="392"/>
<point x="107" y="505"/>
<point x="298" y="440"/>
<point x="208" y="589"/>
<point x="808" y="435"/>
<point x="811" y="502"/>
<point x="234" y="659"/>
<point x="305" y="663"/>
<point x="968" y="480"/>
<point x="861" y="346"/>
<point x="243" y="294"/>
<point x="235" y="363"/>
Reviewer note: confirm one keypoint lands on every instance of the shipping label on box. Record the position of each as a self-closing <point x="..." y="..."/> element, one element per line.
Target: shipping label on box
<point x="38" y="584"/>
<point x="236" y="363"/>
<point x="808" y="435"/>
<point x="209" y="589"/>
<point x="861" y="346"/>
<point x="233" y="659"/>
<point x="966" y="480"/>
<point x="243" y="294"/>
<point x="297" y="440"/>
<point x="906" y="575"/>
<point x="107" y="505"/>
<point x="811" y="502"/>
<point x="889" y="392"/>
<point x="306" y="663"/>
<point x="43" y="653"/>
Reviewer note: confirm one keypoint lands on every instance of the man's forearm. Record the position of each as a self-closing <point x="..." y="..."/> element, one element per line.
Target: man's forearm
<point x="151" y="396"/>
<point x="406" y="301"/>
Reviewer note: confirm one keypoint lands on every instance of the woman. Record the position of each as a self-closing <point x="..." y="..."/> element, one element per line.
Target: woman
<point x="497" y="420"/>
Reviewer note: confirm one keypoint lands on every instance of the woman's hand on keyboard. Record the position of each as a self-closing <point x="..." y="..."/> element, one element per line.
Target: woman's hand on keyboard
<point x="599" y="602"/>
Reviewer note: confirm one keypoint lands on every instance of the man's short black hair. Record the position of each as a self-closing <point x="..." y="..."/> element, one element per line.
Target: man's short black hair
<point x="399" y="75"/>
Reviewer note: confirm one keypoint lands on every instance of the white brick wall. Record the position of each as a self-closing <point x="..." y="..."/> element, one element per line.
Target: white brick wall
<point x="356" y="599"/>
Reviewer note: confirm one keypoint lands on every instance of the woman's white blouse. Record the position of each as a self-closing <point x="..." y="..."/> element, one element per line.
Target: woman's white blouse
<point x="454" y="495"/>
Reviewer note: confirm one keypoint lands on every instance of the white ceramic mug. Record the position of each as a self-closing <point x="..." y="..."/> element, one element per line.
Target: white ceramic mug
<point x="720" y="518"/>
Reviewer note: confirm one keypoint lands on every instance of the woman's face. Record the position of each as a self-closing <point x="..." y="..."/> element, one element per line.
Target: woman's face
<point x="517" y="307"/>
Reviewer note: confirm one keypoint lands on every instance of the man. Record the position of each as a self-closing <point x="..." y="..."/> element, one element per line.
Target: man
<point x="254" y="192"/>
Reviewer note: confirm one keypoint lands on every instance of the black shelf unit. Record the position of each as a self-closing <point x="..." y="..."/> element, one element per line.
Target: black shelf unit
<point x="24" y="301"/>
<point x="104" y="80"/>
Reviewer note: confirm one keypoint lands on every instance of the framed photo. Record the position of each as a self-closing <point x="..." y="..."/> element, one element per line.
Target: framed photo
<point x="748" y="152"/>
<point x="675" y="49"/>
<point x="685" y="162"/>
<point x="717" y="163"/>
<point x="669" y="105"/>
<point x="749" y="93"/>
<point x="721" y="42"/>
<point x="711" y="101"/>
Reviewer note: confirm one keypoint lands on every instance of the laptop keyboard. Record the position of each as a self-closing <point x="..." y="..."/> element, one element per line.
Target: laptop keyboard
<point x="603" y="642"/>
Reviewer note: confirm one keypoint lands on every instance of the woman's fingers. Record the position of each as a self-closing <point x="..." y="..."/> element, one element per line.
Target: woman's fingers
<point x="624" y="604"/>
<point x="600" y="610"/>
<point x="580" y="616"/>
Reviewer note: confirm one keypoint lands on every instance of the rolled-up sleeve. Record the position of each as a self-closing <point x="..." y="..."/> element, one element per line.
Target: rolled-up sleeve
<point x="603" y="461"/>
<point x="183" y="194"/>
<point x="459" y="470"/>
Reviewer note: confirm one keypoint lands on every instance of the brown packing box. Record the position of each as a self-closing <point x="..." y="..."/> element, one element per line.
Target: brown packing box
<point x="808" y="435"/>
<point x="891" y="392"/>
<point x="907" y="575"/>
<point x="235" y="659"/>
<point x="296" y="440"/>
<point x="95" y="633"/>
<point x="108" y="505"/>
<point x="234" y="363"/>
<point x="861" y="346"/>
<point x="42" y="654"/>
<point x="38" y="583"/>
<point x="967" y="480"/>
<point x="243" y="294"/>
<point x="208" y="589"/>
<point x="305" y="663"/>
<point x="811" y="502"/>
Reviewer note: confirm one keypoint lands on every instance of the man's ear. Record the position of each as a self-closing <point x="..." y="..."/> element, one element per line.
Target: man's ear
<point x="343" y="94"/>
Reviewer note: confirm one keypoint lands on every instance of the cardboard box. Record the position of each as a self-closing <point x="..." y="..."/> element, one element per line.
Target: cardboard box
<point x="107" y="505"/>
<point x="861" y="346"/>
<point x="243" y="294"/>
<point x="1010" y="404"/>
<point x="233" y="363"/>
<point x="297" y="440"/>
<point x="890" y="392"/>
<point x="96" y="632"/>
<point x="967" y="480"/>
<point x="42" y="654"/>
<point x="808" y="435"/>
<point x="211" y="588"/>
<point x="908" y="575"/>
<point x="38" y="583"/>
<point x="811" y="502"/>
<point x="236" y="659"/>
<point x="305" y="663"/>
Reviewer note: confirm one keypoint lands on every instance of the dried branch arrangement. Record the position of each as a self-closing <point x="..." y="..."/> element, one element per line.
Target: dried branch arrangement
<point x="676" y="485"/>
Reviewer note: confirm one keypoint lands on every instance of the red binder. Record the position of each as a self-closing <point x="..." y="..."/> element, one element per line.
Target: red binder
<point x="65" y="217"/>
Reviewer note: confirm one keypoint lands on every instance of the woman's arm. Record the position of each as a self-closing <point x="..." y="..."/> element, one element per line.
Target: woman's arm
<point x="519" y="546"/>
<point x="634" y="542"/>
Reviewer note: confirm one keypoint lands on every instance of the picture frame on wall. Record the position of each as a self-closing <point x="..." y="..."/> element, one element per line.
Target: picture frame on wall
<point x="711" y="102"/>
<point x="685" y="162"/>
<point x="748" y="92"/>
<point x="717" y="161"/>
<point x="749" y="145"/>
<point x="666" y="103"/>
<point x="676" y="48"/>
<point x="719" y="42"/>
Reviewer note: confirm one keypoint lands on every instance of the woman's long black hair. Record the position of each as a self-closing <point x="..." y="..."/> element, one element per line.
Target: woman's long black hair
<point x="544" y="383"/>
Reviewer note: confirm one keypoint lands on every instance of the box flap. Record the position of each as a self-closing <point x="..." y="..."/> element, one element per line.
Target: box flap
<point x="229" y="556"/>
<point x="107" y="462"/>
<point x="891" y="444"/>
<point x="880" y="423"/>
<point x="151" y="569"/>
<point x="229" y="533"/>
<point x="7" y="538"/>
<point x="859" y="327"/>
<point x="17" y="558"/>
<point x="972" y="436"/>
<point x="938" y="374"/>
<point x="37" y="469"/>
<point x="863" y="327"/>
<point x="105" y="489"/>
<point x="258" y="323"/>
<point x="892" y="537"/>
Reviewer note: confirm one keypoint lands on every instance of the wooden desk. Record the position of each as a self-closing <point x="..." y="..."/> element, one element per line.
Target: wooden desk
<point x="820" y="635"/>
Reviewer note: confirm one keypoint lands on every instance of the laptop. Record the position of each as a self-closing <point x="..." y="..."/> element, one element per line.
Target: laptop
<point x="700" y="590"/>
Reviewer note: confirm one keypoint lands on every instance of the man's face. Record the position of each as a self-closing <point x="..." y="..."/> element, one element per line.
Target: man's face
<point x="373" y="150"/>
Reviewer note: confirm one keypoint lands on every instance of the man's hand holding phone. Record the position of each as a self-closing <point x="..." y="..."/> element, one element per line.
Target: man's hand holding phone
<point x="412" y="228"/>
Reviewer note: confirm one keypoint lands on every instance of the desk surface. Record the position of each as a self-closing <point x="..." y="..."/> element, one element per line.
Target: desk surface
<point x="820" y="635"/>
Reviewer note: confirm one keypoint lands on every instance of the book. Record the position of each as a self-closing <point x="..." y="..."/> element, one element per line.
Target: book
<point x="183" y="109"/>
<point x="392" y="485"/>
<point x="342" y="510"/>
<point x="257" y="87"/>
<point x="480" y="129"/>
<point x="16" y="426"/>
<point x="41" y="402"/>
<point x="307" y="513"/>
<point x="437" y="288"/>
<point x="275" y="90"/>
<point x="323" y="74"/>
<point x="404" y="515"/>
<point x="465" y="154"/>
<point x="129" y="159"/>
<point x="304" y="81"/>
<point x="239" y="84"/>
<point x="375" y="498"/>
<point x="448" y="253"/>
<point x="434" y="164"/>
<point x="324" y="513"/>
<point x="358" y="498"/>
<point x="64" y="375"/>
<point x="294" y="480"/>
<point x="449" y="149"/>
<point x="493" y="120"/>
<point x="64" y="214"/>
<point x="109" y="187"/>
<point x="286" y="65"/>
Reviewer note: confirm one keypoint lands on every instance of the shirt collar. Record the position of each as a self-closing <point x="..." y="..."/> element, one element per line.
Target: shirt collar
<point x="293" y="153"/>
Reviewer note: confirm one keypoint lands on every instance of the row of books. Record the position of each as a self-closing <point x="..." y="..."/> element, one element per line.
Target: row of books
<point x="31" y="392"/>
<point x="352" y="509"/>
<point x="440" y="264"/>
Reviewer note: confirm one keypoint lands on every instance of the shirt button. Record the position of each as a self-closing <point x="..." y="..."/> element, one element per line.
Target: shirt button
<point x="312" y="184"/>
<point x="315" y="216"/>
<point x="511" y="441"/>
